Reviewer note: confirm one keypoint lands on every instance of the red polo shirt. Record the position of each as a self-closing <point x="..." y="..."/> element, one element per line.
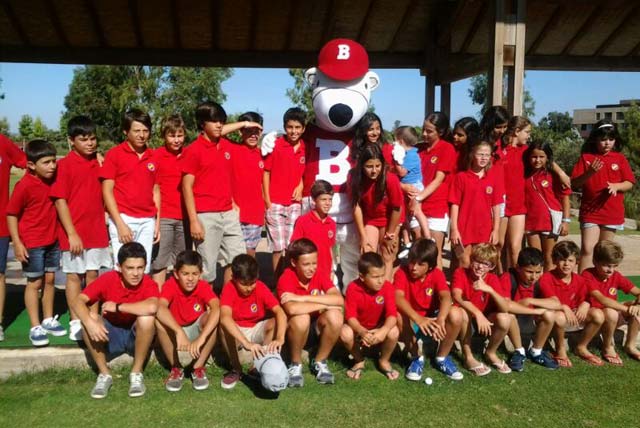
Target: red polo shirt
<point x="475" y="196"/>
<point x="78" y="183"/>
<point x="378" y="213"/>
<point x="511" y="159"/>
<point x="134" y="177"/>
<point x="186" y="308"/>
<point x="286" y="166"/>
<point x="37" y="216"/>
<point x="10" y="155"/>
<point x="463" y="280"/>
<point x="320" y="232"/>
<point x="289" y="283"/>
<point x="522" y="291"/>
<point x="169" y="178"/>
<point x="210" y="164"/>
<point x="248" y="168"/>
<point x="597" y="205"/>
<point x="609" y="287"/>
<point x="422" y="294"/>
<point x="371" y="309"/>
<point x="572" y="294"/>
<point x="439" y="157"/>
<point x="249" y="310"/>
<point x="542" y="191"/>
<point x="110" y="288"/>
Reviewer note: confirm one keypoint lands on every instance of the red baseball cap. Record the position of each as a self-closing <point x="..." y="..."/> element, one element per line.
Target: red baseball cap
<point x="343" y="59"/>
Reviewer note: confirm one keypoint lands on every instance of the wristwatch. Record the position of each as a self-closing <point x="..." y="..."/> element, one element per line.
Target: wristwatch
<point x="566" y="220"/>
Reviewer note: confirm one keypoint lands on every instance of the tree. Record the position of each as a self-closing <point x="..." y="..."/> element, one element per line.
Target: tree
<point x="39" y="129"/>
<point x="557" y="129"/>
<point x="4" y="126"/>
<point x="25" y="127"/>
<point x="556" y="122"/>
<point x="300" y="94"/>
<point x="478" y="94"/>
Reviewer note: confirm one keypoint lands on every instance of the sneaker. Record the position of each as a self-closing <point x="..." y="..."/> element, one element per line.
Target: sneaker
<point x="415" y="369"/>
<point x="296" y="380"/>
<point x="230" y="379"/>
<point x="53" y="327"/>
<point x="174" y="381"/>
<point x="102" y="386"/>
<point x="199" y="379"/>
<point x="38" y="336"/>
<point x="323" y="374"/>
<point x="544" y="359"/>
<point x="448" y="368"/>
<point x="136" y="385"/>
<point x="404" y="253"/>
<point x="516" y="362"/>
<point x="1" y="333"/>
<point x="75" y="330"/>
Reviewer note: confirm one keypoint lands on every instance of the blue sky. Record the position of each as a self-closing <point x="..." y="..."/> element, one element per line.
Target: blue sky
<point x="39" y="90"/>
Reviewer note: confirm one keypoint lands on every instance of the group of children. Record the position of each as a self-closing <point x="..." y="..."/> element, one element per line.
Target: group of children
<point x="485" y="187"/>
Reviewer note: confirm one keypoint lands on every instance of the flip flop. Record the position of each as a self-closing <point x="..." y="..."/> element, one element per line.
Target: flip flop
<point x="480" y="370"/>
<point x="591" y="360"/>
<point x="562" y="361"/>
<point x="354" y="374"/>
<point x="614" y="360"/>
<point x="502" y="367"/>
<point x="391" y="374"/>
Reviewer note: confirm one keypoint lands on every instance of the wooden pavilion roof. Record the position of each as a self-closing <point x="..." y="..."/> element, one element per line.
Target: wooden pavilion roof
<point x="447" y="39"/>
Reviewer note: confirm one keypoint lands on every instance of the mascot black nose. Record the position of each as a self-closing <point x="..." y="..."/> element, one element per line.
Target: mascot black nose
<point x="340" y="114"/>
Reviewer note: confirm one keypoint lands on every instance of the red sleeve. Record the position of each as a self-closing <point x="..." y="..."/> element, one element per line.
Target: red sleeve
<point x="60" y="187"/>
<point x="268" y="161"/>
<point x="394" y="191"/>
<point x="400" y="281"/>
<point x="109" y="167"/>
<point x="459" y="279"/>
<point x="206" y="292"/>
<point x="505" y="283"/>
<point x="168" y="291"/>
<point x="390" y="309"/>
<point x="455" y="190"/>
<point x="190" y="161"/>
<point x="266" y="296"/>
<point x="94" y="291"/>
<point x="16" y="156"/>
<point x="582" y="289"/>
<point x="579" y="168"/>
<point x="18" y="200"/>
<point x="228" y="295"/>
<point x="498" y="285"/>
<point x="439" y="280"/>
<point x="284" y="283"/>
<point x="546" y="286"/>
<point x="351" y="302"/>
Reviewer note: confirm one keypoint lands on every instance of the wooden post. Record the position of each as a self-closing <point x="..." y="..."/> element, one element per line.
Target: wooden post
<point x="516" y="84"/>
<point x="445" y="99"/>
<point x="429" y="96"/>
<point x="496" y="54"/>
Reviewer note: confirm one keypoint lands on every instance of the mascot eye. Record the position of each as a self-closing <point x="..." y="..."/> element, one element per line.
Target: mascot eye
<point x="366" y="86"/>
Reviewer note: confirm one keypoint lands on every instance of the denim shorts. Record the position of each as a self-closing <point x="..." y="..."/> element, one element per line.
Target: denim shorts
<point x="41" y="260"/>
<point x="122" y="340"/>
<point x="4" y="250"/>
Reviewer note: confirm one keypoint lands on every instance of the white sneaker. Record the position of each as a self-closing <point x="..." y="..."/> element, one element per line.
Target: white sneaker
<point x="136" y="385"/>
<point x="102" y="386"/>
<point x="75" y="330"/>
<point x="38" y="336"/>
<point x="53" y="327"/>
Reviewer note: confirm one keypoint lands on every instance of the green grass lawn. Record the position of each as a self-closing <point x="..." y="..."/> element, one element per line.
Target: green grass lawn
<point x="583" y="396"/>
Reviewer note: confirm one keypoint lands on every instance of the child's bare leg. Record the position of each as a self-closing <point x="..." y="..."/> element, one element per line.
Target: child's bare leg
<point x="349" y="341"/>
<point x="501" y="323"/>
<point x="97" y="349"/>
<point x="329" y="324"/>
<point x="48" y="294"/>
<point x="416" y="209"/>
<point x="547" y="248"/>
<point x="251" y="252"/>
<point x="514" y="333"/>
<point x="205" y="352"/>
<point x="543" y="329"/>
<point x="145" y="332"/>
<point x="606" y="234"/>
<point x="502" y="236"/>
<point x="160" y="277"/>
<point x="408" y="337"/>
<point x="515" y="233"/>
<point x="589" y="238"/>
<point x="72" y="290"/>
<point x="227" y="274"/>
<point x="167" y="339"/>
<point x="269" y="330"/>
<point x="230" y="346"/>
<point x="275" y="258"/>
<point x="453" y="325"/>
<point x="608" y="328"/>
<point x="559" y="334"/>
<point x="386" y="349"/>
<point x="32" y="301"/>
<point x="388" y="250"/>
<point x="595" y="319"/>
<point x="465" y="340"/>
<point x="632" y="333"/>
<point x="439" y="237"/>
<point x="297" y="334"/>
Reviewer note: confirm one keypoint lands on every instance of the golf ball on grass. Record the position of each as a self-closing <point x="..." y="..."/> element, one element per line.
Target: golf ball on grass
<point x="428" y="381"/>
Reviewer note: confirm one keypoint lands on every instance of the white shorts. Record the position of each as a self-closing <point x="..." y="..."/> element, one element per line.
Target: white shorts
<point x="435" y="224"/>
<point x="254" y="334"/>
<point x="91" y="259"/>
<point x="606" y="226"/>
<point x="194" y="329"/>
<point x="503" y="207"/>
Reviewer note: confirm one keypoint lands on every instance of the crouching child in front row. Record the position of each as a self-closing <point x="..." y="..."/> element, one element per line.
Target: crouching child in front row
<point x="126" y="323"/>
<point x="188" y="314"/>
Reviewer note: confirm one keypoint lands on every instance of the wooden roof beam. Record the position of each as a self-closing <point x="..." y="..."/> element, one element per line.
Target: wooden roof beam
<point x="55" y="21"/>
<point x="135" y="22"/>
<point x="214" y="14"/>
<point x="556" y="13"/>
<point x="365" y="27"/>
<point x="95" y="20"/>
<point x="293" y="12"/>
<point x="635" y="50"/>
<point x="583" y="28"/>
<point x="477" y="20"/>
<point x="406" y="16"/>
<point x="15" y="22"/>
<point x="175" y="19"/>
<point x="253" y="23"/>
<point x="614" y="34"/>
<point x="328" y="22"/>
<point x="445" y="34"/>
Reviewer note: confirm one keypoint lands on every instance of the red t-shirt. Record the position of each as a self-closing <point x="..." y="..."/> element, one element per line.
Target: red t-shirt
<point x="286" y="166"/>
<point x="10" y="155"/>
<point x="522" y="291"/>
<point x="511" y="159"/>
<point x="187" y="308"/>
<point x="247" y="311"/>
<point x="134" y="177"/>
<point x="378" y="213"/>
<point x="289" y="283"/>
<point x="463" y="280"/>
<point x="572" y="294"/>
<point x="320" y="232"/>
<point x="387" y="154"/>
<point x="422" y="294"/>
<point x="210" y="164"/>
<point x="78" y="183"/>
<point x="540" y="187"/>
<point x="475" y="197"/>
<point x="439" y="157"/>
<point x="248" y="166"/>
<point x="169" y="178"/>
<point x="37" y="216"/>
<point x="609" y="287"/>
<point x="597" y="205"/>
<point x="369" y="308"/>
<point x="110" y="288"/>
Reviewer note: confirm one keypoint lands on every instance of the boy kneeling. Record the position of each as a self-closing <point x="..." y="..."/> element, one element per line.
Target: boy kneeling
<point x="188" y="314"/>
<point x="308" y="297"/>
<point x="129" y="300"/>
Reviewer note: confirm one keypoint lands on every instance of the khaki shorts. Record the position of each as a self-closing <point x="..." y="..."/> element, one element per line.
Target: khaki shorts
<point x="254" y="334"/>
<point x="223" y="240"/>
<point x="194" y="329"/>
<point x="171" y="244"/>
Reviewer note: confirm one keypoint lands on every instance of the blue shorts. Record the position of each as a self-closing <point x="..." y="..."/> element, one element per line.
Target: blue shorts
<point x="122" y="340"/>
<point x="416" y="329"/>
<point x="41" y="260"/>
<point x="4" y="250"/>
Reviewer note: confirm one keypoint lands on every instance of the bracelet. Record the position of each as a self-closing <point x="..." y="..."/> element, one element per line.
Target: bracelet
<point x="389" y="236"/>
<point x="566" y="220"/>
<point x="118" y="307"/>
<point x="418" y="199"/>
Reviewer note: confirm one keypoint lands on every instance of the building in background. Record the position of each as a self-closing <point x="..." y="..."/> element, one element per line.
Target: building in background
<point x="584" y="119"/>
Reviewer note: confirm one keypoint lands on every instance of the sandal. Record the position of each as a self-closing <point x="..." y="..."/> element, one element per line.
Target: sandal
<point x="480" y="370"/>
<point x="591" y="360"/>
<point x="562" y="361"/>
<point x="391" y="374"/>
<point x="354" y="374"/>
<point x="502" y="367"/>
<point x="614" y="360"/>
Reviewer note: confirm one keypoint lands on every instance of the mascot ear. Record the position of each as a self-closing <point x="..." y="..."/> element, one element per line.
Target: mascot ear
<point x="373" y="80"/>
<point x="311" y="75"/>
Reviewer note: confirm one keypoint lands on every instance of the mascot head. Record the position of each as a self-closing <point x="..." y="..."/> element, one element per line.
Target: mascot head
<point x="341" y="85"/>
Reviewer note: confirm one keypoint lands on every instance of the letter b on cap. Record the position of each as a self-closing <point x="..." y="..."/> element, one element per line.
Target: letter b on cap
<point x="343" y="52"/>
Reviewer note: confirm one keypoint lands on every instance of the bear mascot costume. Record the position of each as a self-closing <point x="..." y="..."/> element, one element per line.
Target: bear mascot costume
<point x="341" y="89"/>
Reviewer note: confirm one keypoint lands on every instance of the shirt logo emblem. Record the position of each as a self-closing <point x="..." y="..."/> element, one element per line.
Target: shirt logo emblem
<point x="254" y="308"/>
<point x="615" y="166"/>
<point x="261" y="165"/>
<point x="227" y="156"/>
<point x="429" y="291"/>
<point x="544" y="183"/>
<point x="197" y="307"/>
<point x="151" y="166"/>
<point x="330" y="234"/>
<point x="489" y="190"/>
<point x="302" y="160"/>
<point x="434" y="159"/>
<point x="379" y="300"/>
<point x="315" y="292"/>
<point x="613" y="291"/>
